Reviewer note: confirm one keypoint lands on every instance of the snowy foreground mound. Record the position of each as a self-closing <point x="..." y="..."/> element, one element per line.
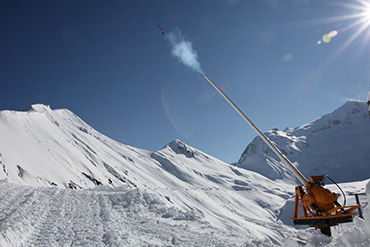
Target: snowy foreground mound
<point x="62" y="183"/>
<point x="336" y="144"/>
<point x="105" y="216"/>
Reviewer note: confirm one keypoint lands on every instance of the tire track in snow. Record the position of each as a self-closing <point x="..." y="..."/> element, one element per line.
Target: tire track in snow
<point x="52" y="217"/>
<point x="20" y="213"/>
<point x="87" y="225"/>
<point x="44" y="233"/>
<point x="112" y="222"/>
<point x="9" y="202"/>
<point x="73" y="219"/>
<point x="102" y="216"/>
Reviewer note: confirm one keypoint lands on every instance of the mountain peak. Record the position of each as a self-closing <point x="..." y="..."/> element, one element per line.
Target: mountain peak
<point x="38" y="108"/>
<point x="179" y="147"/>
<point x="350" y="107"/>
<point x="328" y="145"/>
<point x="350" y="113"/>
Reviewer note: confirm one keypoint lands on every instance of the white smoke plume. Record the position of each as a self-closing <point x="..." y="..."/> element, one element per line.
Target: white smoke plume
<point x="183" y="50"/>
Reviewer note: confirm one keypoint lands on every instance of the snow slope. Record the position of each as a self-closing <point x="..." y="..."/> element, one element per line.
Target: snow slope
<point x="55" y="149"/>
<point x="62" y="183"/>
<point x="336" y="144"/>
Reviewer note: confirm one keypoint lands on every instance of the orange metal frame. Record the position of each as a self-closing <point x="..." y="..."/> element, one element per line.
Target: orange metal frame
<point x="311" y="214"/>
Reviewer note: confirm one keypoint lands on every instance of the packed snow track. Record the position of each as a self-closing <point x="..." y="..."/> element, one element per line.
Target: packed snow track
<point x="98" y="217"/>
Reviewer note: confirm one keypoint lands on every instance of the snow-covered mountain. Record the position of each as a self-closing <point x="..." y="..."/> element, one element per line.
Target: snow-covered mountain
<point x="54" y="148"/>
<point x="337" y="144"/>
<point x="62" y="183"/>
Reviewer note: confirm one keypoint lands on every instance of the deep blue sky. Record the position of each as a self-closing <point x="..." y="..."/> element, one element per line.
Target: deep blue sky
<point x="108" y="62"/>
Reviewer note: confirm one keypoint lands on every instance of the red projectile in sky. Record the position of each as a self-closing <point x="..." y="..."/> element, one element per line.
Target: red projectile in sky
<point x="160" y="28"/>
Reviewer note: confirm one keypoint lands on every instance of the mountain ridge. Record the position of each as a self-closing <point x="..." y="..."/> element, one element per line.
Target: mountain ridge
<point x="328" y="145"/>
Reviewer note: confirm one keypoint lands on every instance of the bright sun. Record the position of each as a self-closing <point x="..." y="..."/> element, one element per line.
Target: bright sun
<point x="360" y="13"/>
<point x="366" y="12"/>
<point x="357" y="18"/>
<point x="353" y="24"/>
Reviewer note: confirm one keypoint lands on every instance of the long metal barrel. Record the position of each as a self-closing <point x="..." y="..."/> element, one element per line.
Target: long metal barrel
<point x="282" y="157"/>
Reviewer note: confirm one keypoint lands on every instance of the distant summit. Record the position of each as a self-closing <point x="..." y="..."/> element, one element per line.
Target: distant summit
<point x="337" y="144"/>
<point x="37" y="108"/>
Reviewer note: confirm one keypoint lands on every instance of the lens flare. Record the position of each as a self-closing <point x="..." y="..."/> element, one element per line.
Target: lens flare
<point x="354" y="20"/>
<point x="360" y="17"/>
<point x="326" y="38"/>
<point x="333" y="33"/>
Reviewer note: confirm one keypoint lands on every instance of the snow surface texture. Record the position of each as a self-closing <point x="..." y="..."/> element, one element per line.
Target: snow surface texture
<point x="62" y="183"/>
<point x="178" y="188"/>
<point x="336" y="144"/>
<point x="105" y="216"/>
<point x="99" y="217"/>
